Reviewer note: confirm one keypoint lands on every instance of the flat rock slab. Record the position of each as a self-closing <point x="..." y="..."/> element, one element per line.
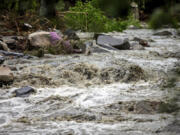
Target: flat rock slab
<point x="6" y="75"/>
<point x="112" y="43"/>
<point x="24" y="91"/>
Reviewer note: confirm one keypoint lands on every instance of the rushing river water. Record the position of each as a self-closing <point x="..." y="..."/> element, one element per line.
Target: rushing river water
<point x="112" y="93"/>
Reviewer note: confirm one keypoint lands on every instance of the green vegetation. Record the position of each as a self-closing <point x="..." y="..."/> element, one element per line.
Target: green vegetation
<point x="161" y="18"/>
<point x="86" y="17"/>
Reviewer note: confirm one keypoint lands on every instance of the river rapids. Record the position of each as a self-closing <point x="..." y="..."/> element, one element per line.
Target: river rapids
<point x="128" y="92"/>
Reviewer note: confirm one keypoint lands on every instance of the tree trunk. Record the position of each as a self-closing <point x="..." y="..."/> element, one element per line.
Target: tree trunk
<point x="47" y="8"/>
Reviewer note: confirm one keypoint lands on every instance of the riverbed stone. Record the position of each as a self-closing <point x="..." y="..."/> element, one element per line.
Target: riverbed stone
<point x="112" y="43"/>
<point x="163" y="33"/>
<point x="141" y="41"/>
<point x="6" y="76"/>
<point x="24" y="91"/>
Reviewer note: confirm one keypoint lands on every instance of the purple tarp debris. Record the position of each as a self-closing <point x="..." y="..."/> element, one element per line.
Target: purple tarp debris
<point x="55" y="37"/>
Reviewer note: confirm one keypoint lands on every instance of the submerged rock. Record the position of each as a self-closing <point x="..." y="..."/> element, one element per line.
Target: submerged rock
<point x="6" y="75"/>
<point x="24" y="91"/>
<point x="112" y="43"/>
<point x="141" y="41"/>
<point x="163" y="33"/>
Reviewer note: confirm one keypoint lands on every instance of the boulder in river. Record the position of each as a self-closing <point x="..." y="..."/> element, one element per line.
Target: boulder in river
<point x="112" y="43"/>
<point x="6" y="76"/>
<point x="141" y="41"/>
<point x="43" y="39"/>
<point x="24" y="91"/>
<point x="163" y="33"/>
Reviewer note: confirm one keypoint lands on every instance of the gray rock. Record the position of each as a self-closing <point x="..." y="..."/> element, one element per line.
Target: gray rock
<point x="141" y="41"/>
<point x="112" y="43"/>
<point x="5" y="53"/>
<point x="163" y="33"/>
<point x="24" y="91"/>
<point x="2" y="59"/>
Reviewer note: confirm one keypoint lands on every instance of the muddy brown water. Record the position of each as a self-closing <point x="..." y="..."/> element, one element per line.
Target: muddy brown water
<point x="117" y="93"/>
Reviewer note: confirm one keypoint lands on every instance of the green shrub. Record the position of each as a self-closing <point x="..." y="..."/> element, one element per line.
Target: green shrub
<point x="160" y="18"/>
<point x="85" y="17"/>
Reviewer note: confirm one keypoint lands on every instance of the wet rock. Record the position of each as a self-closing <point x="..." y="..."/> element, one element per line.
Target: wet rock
<point x="5" y="53"/>
<point x="141" y="41"/>
<point x="112" y="43"/>
<point x="2" y="59"/>
<point x="71" y="34"/>
<point x="172" y="54"/>
<point x="146" y="107"/>
<point x="6" y="76"/>
<point x="24" y="91"/>
<point x="163" y="33"/>
<point x="4" y="46"/>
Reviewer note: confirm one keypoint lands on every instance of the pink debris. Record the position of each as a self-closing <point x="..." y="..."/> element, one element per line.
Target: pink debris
<point x="55" y="37"/>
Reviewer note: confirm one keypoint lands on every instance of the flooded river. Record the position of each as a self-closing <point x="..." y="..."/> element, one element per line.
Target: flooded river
<point x="128" y="92"/>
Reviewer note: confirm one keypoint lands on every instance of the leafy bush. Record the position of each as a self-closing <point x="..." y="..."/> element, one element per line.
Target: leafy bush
<point x="85" y="17"/>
